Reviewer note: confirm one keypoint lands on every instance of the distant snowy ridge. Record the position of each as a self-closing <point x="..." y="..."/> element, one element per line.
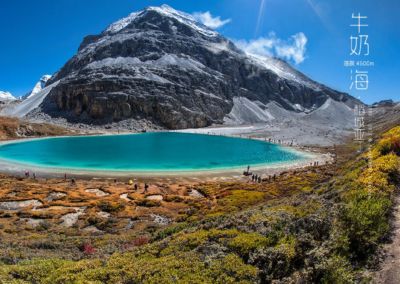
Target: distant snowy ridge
<point x="6" y="96"/>
<point x="39" y="86"/>
<point x="29" y="104"/>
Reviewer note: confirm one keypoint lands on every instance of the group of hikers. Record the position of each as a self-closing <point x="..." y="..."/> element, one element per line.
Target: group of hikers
<point x="136" y="186"/>
<point x="254" y="177"/>
<point x="28" y="174"/>
<point x="314" y="164"/>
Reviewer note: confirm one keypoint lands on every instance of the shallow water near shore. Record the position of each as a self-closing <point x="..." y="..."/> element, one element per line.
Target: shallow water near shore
<point x="147" y="152"/>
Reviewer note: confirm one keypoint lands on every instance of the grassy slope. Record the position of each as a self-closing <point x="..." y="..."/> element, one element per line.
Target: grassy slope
<point x="324" y="230"/>
<point x="12" y="128"/>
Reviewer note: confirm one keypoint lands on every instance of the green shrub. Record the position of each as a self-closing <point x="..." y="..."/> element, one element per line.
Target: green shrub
<point x="365" y="219"/>
<point x="337" y="270"/>
<point x="244" y="243"/>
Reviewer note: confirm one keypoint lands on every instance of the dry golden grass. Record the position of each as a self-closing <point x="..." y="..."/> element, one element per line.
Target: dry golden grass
<point x="111" y="214"/>
<point x="13" y="128"/>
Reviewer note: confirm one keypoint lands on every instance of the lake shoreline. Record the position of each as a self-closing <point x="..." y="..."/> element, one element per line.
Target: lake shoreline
<point x="16" y="168"/>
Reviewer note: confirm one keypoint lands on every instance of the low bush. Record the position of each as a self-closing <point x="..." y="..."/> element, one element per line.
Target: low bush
<point x="110" y="207"/>
<point x="148" y="203"/>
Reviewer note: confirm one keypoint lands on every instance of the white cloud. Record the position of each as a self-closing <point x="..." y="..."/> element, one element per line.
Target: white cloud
<point x="208" y="20"/>
<point x="293" y="49"/>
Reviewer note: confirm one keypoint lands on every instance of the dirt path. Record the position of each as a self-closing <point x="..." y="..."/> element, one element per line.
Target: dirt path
<point x="390" y="267"/>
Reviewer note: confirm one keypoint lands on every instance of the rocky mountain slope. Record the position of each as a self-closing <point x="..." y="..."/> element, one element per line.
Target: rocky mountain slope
<point x="384" y="116"/>
<point x="162" y="66"/>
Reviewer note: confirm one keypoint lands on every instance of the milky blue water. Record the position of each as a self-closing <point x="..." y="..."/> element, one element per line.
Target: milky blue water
<point x="147" y="152"/>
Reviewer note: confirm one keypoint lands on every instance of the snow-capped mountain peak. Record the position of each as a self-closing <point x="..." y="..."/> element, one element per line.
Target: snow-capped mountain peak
<point x="39" y="86"/>
<point x="184" y="18"/>
<point x="6" y="96"/>
<point x="166" y="11"/>
<point x="150" y="63"/>
<point x="45" y="78"/>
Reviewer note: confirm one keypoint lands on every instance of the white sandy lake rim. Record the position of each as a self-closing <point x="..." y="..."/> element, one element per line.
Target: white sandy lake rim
<point x="17" y="168"/>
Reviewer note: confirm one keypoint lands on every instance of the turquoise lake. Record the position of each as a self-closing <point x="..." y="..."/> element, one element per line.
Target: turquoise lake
<point x="164" y="151"/>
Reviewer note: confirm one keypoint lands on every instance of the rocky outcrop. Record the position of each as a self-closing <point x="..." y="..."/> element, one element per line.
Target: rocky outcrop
<point x="162" y="66"/>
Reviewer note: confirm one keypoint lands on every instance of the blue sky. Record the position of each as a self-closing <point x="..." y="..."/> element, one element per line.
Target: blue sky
<point x="38" y="37"/>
